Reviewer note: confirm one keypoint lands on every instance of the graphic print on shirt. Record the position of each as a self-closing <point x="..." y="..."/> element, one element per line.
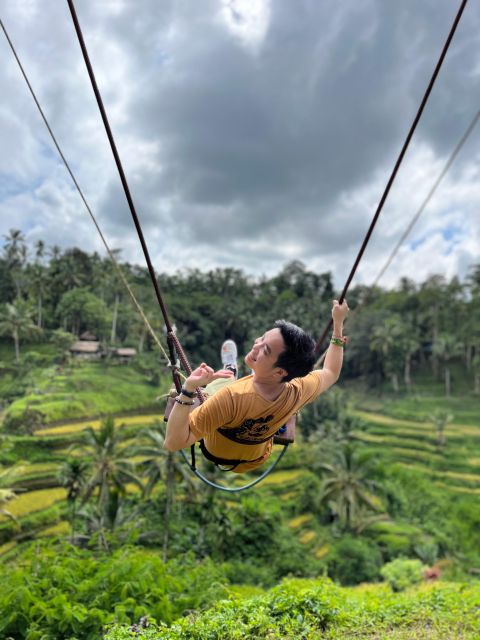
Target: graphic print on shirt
<point x="249" y="432"/>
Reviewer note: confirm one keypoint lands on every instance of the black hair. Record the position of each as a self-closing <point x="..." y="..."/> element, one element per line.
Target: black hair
<point x="298" y="358"/>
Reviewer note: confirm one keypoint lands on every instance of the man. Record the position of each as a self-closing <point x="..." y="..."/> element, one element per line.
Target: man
<point x="236" y="425"/>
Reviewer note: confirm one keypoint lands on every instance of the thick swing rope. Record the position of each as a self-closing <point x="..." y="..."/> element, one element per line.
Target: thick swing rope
<point x="397" y="166"/>
<point x="417" y="215"/>
<point x="118" y="162"/>
<point x="184" y="360"/>
<point x="82" y="196"/>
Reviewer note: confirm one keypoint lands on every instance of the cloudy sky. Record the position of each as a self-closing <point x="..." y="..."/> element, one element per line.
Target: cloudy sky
<point x="252" y="132"/>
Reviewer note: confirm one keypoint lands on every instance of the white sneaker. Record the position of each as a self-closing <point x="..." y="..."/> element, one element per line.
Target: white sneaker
<point x="229" y="356"/>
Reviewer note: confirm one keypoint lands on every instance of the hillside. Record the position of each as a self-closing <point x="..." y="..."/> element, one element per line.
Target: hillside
<point x="423" y="500"/>
<point x="404" y="449"/>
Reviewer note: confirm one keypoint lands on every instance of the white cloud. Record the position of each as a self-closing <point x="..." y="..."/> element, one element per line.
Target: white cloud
<point x="248" y="20"/>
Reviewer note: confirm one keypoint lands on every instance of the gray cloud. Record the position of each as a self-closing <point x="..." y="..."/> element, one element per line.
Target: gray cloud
<point x="240" y="155"/>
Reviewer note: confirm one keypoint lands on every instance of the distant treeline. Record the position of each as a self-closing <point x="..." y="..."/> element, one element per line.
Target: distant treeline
<point x="44" y="289"/>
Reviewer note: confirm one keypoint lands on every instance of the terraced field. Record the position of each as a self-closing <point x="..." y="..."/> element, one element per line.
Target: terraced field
<point x="40" y="505"/>
<point x="78" y="427"/>
<point x="413" y="445"/>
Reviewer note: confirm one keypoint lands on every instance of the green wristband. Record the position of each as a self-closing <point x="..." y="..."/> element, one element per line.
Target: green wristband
<point x="338" y="342"/>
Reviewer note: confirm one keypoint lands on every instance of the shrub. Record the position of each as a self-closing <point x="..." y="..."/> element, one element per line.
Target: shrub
<point x="402" y="573"/>
<point x="35" y="359"/>
<point x="292" y="610"/>
<point x="58" y="591"/>
<point x="24" y="423"/>
<point x="309" y="610"/>
<point x="354" y="560"/>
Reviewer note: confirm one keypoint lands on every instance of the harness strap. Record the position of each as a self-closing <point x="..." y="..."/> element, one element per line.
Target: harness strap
<point x="232" y="464"/>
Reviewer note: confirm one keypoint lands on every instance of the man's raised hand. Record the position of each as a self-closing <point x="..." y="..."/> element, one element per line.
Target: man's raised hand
<point x="339" y="311"/>
<point x="203" y="375"/>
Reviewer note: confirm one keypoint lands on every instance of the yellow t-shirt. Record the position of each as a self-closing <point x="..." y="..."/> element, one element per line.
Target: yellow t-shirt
<point x="237" y="423"/>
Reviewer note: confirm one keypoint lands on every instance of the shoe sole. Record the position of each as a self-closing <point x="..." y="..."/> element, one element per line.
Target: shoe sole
<point x="229" y="352"/>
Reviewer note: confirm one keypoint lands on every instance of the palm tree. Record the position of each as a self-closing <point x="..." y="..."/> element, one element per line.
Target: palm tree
<point x="37" y="279"/>
<point x="162" y="465"/>
<point x="110" y="469"/>
<point x="434" y="300"/>
<point x="55" y="252"/>
<point x="408" y="344"/>
<point x="72" y="475"/>
<point x="385" y="340"/>
<point x="445" y="348"/>
<point x="346" y="487"/>
<point x="101" y="522"/>
<point x="15" y="255"/>
<point x="364" y="519"/>
<point x="116" y="288"/>
<point x="39" y="250"/>
<point x="16" y="321"/>
<point x="440" y="421"/>
<point x="340" y="431"/>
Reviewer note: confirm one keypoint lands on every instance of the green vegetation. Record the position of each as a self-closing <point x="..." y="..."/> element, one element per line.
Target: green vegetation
<point x="81" y="390"/>
<point x="313" y="609"/>
<point x="62" y="591"/>
<point x="66" y="592"/>
<point x="101" y="525"/>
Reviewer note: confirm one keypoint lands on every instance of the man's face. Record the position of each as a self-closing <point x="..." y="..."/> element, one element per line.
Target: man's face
<point x="265" y="352"/>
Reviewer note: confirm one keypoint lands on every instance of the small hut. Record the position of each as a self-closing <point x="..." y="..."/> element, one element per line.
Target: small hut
<point x="124" y="354"/>
<point x="88" y="336"/>
<point x="87" y="350"/>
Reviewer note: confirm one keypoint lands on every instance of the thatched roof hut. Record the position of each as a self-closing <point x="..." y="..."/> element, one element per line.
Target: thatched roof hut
<point x="124" y="354"/>
<point x="87" y="349"/>
<point x="88" y="336"/>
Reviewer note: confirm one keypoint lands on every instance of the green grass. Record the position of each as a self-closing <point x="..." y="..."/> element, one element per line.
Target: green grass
<point x="31" y="523"/>
<point x="139" y="421"/>
<point x="31" y="501"/>
<point x="96" y="387"/>
<point x="87" y="389"/>
<point x="464" y="408"/>
<point x="7" y="349"/>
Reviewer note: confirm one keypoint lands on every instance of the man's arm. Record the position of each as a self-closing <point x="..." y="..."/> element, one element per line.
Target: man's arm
<point x="334" y="357"/>
<point x="179" y="434"/>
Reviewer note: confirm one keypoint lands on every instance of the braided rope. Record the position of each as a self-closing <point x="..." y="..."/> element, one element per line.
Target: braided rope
<point x="184" y="360"/>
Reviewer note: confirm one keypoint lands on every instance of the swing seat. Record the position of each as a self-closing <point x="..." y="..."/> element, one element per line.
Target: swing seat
<point x="286" y="434"/>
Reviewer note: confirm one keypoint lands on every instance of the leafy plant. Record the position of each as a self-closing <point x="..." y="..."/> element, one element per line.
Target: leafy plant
<point x="354" y="560"/>
<point x="402" y="573"/>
